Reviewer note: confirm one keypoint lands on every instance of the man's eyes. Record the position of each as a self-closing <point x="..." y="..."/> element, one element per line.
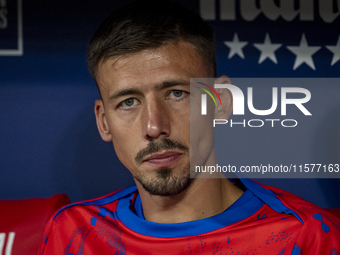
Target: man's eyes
<point x="129" y="103"/>
<point x="178" y="94"/>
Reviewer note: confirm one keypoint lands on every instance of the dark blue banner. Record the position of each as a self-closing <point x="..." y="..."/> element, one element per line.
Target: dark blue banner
<point x="48" y="135"/>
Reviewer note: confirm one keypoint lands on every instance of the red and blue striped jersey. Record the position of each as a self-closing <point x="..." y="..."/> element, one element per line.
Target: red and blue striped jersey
<point x="264" y="220"/>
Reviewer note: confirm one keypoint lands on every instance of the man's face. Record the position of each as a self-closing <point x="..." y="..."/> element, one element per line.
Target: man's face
<point x="146" y="113"/>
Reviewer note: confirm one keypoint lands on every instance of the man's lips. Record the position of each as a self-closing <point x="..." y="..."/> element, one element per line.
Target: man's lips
<point x="165" y="159"/>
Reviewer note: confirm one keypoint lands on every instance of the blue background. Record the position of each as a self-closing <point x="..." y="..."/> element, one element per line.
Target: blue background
<point x="48" y="137"/>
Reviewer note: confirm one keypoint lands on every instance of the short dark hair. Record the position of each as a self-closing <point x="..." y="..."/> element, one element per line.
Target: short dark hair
<point x="149" y="24"/>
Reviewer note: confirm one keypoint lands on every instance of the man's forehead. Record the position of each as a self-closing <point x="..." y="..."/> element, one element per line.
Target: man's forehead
<point x="140" y="61"/>
<point x="146" y="76"/>
<point x="154" y="57"/>
<point x="167" y="60"/>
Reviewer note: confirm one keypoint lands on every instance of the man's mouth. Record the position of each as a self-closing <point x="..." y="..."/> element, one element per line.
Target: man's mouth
<point x="164" y="159"/>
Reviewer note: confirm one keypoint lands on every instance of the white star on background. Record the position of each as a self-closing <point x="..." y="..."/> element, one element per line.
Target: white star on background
<point x="336" y="51"/>
<point x="303" y="53"/>
<point x="267" y="49"/>
<point x="235" y="47"/>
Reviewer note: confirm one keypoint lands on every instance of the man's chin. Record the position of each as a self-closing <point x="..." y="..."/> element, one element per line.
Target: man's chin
<point x="166" y="183"/>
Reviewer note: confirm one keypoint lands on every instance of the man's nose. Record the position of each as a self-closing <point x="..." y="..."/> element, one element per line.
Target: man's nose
<point x="156" y="119"/>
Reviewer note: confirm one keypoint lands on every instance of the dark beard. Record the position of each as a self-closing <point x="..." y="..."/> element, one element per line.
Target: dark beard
<point x="166" y="184"/>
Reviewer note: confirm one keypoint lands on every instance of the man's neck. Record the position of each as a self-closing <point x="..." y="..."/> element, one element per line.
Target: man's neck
<point x="205" y="197"/>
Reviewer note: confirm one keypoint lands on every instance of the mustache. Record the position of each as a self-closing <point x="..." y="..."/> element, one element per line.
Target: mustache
<point x="153" y="147"/>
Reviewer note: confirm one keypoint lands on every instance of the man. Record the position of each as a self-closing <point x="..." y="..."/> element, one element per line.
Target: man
<point x="142" y="58"/>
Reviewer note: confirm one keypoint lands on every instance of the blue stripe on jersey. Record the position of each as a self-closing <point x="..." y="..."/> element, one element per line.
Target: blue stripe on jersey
<point x="265" y="195"/>
<point x="249" y="203"/>
<point x="269" y="198"/>
<point x="245" y="206"/>
<point x="103" y="200"/>
<point x="139" y="208"/>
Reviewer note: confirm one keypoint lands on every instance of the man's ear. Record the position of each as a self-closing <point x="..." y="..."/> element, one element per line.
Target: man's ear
<point x="102" y="125"/>
<point x="225" y="110"/>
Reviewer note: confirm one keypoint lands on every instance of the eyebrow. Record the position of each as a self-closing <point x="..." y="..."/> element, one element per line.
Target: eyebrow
<point x="172" y="83"/>
<point x="136" y="90"/>
<point x="124" y="92"/>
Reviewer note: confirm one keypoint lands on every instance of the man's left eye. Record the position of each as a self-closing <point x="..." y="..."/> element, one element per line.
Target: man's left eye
<point x="177" y="93"/>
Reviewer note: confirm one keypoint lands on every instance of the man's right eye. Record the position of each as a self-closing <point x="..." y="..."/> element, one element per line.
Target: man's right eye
<point x="127" y="103"/>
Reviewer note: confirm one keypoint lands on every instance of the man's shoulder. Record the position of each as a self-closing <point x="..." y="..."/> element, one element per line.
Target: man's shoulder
<point x="304" y="208"/>
<point x="69" y="227"/>
<point x="101" y="205"/>
<point x="317" y="222"/>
